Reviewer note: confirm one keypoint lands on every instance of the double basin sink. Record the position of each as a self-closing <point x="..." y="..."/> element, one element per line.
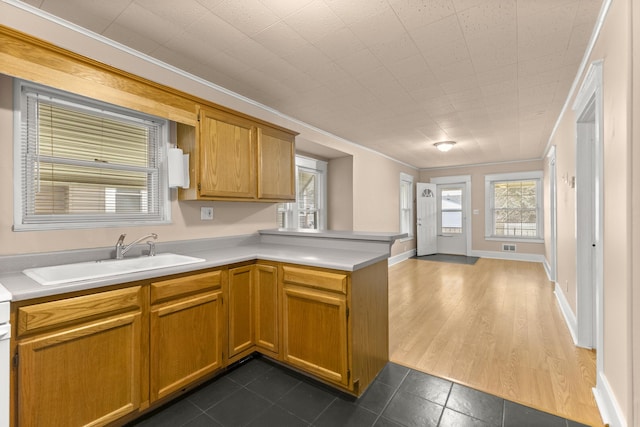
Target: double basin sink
<point x="92" y="270"/>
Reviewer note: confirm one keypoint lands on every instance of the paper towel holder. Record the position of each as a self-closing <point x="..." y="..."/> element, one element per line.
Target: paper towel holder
<point x="178" y="168"/>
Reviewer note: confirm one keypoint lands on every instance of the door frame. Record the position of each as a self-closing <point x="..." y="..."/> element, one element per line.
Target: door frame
<point x="466" y="180"/>
<point x="552" y="263"/>
<point x="589" y="215"/>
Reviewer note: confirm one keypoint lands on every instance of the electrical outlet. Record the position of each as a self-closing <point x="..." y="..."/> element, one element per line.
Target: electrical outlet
<point x="206" y="213"/>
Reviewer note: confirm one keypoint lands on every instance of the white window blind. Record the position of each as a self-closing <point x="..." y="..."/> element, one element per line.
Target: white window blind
<point x="84" y="163"/>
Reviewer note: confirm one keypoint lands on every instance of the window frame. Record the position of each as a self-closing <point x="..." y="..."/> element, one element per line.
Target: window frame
<point x="83" y="221"/>
<point x="489" y="182"/>
<point x="291" y="210"/>
<point x="404" y="180"/>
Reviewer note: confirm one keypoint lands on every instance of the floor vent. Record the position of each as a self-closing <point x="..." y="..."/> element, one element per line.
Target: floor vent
<point x="508" y="248"/>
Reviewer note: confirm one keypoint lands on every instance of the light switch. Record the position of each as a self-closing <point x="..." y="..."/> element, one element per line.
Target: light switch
<point x="206" y="213"/>
<point x="476" y="211"/>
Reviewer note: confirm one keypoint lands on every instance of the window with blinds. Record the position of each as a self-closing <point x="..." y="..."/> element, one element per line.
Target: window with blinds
<point x="83" y="163"/>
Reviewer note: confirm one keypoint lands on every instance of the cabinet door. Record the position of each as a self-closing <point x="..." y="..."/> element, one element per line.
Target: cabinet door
<point x="227" y="156"/>
<point x="276" y="165"/>
<point x="88" y="375"/>
<point x="315" y="332"/>
<point x="266" y="307"/>
<point x="240" y="306"/>
<point x="185" y="341"/>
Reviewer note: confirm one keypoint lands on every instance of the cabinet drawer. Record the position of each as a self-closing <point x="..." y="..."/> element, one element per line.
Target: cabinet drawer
<point x="73" y="310"/>
<point x="172" y="288"/>
<point x="336" y="282"/>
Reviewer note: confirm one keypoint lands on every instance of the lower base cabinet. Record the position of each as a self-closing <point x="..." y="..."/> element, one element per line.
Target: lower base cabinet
<point x="186" y="321"/>
<point x="81" y="360"/>
<point x="315" y="323"/>
<point x="107" y="357"/>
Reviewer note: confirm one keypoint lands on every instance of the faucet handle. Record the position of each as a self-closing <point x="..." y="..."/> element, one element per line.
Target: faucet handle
<point x="121" y="239"/>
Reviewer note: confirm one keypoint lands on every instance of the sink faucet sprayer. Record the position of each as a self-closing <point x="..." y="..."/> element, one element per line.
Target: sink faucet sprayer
<point x="122" y="249"/>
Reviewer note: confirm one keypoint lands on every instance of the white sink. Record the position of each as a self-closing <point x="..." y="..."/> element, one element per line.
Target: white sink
<point x="69" y="273"/>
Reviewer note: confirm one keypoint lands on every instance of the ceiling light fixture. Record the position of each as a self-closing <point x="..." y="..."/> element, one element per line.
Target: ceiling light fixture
<point x="444" y="146"/>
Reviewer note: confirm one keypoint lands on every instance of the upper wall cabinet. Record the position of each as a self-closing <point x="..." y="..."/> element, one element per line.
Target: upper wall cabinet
<point x="233" y="157"/>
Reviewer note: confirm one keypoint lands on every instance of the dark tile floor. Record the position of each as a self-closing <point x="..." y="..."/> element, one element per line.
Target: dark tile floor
<point x="261" y="393"/>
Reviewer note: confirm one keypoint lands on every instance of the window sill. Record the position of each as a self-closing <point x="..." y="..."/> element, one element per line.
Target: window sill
<point x="514" y="239"/>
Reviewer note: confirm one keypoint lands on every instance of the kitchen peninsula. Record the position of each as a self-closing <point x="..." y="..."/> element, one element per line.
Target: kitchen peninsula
<point x="315" y="301"/>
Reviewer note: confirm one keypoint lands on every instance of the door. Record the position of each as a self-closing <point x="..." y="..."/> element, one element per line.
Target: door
<point x="451" y="231"/>
<point x="227" y="156"/>
<point x="427" y="222"/>
<point x="240" y="308"/>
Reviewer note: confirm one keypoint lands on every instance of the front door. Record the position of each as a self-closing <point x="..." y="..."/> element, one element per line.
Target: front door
<point x="426" y="219"/>
<point x="452" y="237"/>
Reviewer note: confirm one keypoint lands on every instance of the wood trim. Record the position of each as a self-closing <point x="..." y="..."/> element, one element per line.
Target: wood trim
<point x="34" y="59"/>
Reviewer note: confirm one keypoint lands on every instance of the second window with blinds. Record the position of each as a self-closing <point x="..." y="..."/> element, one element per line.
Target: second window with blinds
<point x="309" y="211"/>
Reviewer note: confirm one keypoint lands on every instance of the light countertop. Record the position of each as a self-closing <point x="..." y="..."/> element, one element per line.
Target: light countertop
<point x="216" y="253"/>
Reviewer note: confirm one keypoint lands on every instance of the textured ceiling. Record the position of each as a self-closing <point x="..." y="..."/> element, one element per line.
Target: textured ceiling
<point x="392" y="75"/>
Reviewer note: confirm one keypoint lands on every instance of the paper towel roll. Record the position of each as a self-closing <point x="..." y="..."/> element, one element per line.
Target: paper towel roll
<point x="178" y="168"/>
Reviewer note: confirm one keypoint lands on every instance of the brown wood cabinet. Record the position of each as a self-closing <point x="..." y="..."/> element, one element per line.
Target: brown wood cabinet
<point x="88" y="346"/>
<point x="253" y="311"/>
<point x="335" y="323"/>
<point x="266" y="309"/>
<point x="186" y="325"/>
<point x="276" y="164"/>
<point x="107" y="357"/>
<point x="227" y="156"/>
<point x="315" y="322"/>
<point x="235" y="157"/>
<point x="240" y="312"/>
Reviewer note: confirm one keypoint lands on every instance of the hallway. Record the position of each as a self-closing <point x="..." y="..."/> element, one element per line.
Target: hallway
<point x="494" y="326"/>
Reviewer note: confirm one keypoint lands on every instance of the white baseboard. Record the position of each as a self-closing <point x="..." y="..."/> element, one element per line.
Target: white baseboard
<point x="514" y="256"/>
<point x="567" y="313"/>
<point x="401" y="257"/>
<point x="607" y="404"/>
<point x="547" y="269"/>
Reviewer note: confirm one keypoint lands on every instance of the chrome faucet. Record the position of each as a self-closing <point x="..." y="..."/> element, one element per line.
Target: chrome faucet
<point x="122" y="249"/>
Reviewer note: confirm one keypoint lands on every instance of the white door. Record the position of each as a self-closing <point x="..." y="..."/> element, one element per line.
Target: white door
<point x="427" y="222"/>
<point x="451" y="231"/>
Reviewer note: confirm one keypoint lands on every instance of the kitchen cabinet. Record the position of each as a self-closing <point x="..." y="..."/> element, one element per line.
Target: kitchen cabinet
<point x="227" y="156"/>
<point x="240" y="312"/>
<point x="252" y="297"/>
<point x="80" y="359"/>
<point x="315" y="317"/>
<point x="266" y="309"/>
<point x="276" y="165"/>
<point x="237" y="158"/>
<point x="335" y="323"/>
<point x="186" y="325"/>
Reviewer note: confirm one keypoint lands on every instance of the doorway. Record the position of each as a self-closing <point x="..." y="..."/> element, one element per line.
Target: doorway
<point x="589" y="213"/>
<point x="450" y="219"/>
<point x="444" y="221"/>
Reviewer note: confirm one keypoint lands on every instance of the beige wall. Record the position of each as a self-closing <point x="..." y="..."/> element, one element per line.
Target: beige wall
<point x="614" y="48"/>
<point x="375" y="178"/>
<point x="635" y="220"/>
<point x="340" y="193"/>
<point x="478" y="242"/>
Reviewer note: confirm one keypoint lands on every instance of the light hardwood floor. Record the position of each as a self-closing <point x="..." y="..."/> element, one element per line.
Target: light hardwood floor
<point x="494" y="326"/>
